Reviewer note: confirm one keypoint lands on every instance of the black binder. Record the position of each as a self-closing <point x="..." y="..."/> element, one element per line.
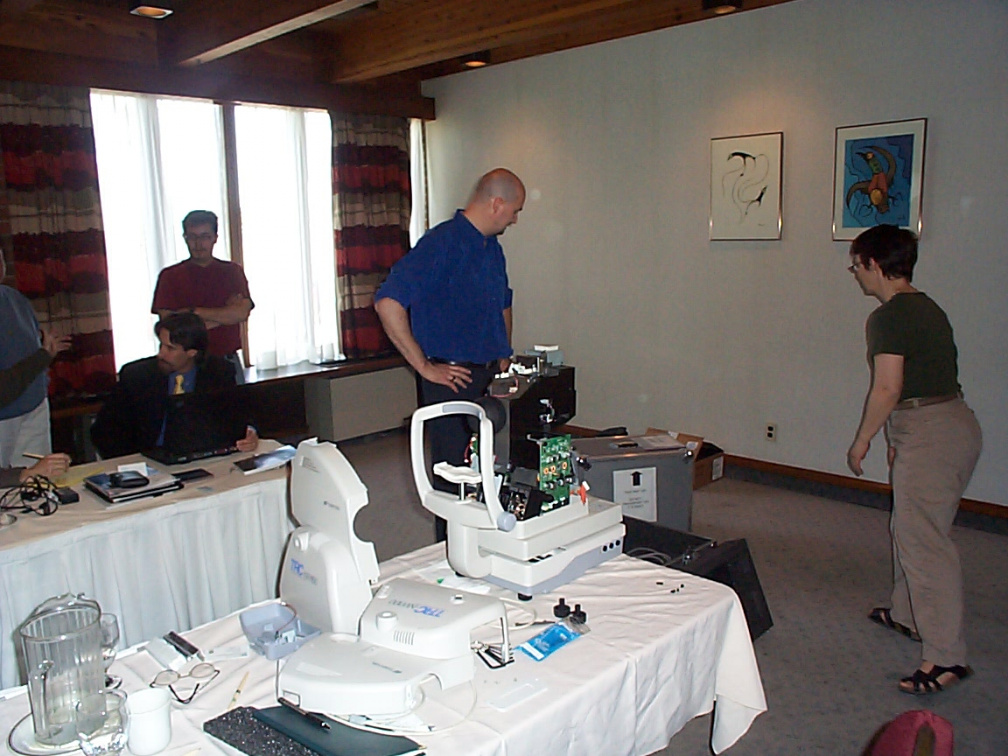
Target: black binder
<point x="255" y="732"/>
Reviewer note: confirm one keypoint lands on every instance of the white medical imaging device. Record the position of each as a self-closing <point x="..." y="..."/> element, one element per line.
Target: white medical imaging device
<point x="375" y="651"/>
<point x="527" y="550"/>
<point x="327" y="571"/>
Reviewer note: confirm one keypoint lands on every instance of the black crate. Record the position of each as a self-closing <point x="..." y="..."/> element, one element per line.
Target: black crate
<point x="727" y="562"/>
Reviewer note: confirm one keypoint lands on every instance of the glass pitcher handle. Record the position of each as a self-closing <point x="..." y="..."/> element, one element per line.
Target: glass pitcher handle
<point x="42" y="672"/>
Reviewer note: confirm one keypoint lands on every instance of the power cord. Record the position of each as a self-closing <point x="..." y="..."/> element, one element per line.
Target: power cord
<point x="35" y="493"/>
<point x="650" y="555"/>
<point x="522" y="608"/>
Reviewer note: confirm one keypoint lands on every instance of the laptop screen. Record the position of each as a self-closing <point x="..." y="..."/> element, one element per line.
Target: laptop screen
<point x="203" y="422"/>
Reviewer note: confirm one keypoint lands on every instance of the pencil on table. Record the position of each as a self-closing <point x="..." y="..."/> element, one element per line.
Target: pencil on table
<point x="238" y="690"/>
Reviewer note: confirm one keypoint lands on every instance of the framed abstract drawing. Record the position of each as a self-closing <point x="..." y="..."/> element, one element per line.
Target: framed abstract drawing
<point x="877" y="177"/>
<point x="746" y="186"/>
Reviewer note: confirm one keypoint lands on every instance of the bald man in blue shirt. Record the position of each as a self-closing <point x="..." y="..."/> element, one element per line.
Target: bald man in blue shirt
<point x="446" y="306"/>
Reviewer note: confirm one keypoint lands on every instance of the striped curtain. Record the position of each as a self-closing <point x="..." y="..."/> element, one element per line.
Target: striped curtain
<point x="371" y="214"/>
<point x="51" y="227"/>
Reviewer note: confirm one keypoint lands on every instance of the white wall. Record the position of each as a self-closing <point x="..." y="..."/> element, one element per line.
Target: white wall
<point x="611" y="259"/>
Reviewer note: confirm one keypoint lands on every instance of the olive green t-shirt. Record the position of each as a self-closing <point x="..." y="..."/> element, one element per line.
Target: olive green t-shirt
<point x="913" y="326"/>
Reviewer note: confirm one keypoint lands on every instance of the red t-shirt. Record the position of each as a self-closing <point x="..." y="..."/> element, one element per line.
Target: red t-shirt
<point x="186" y="285"/>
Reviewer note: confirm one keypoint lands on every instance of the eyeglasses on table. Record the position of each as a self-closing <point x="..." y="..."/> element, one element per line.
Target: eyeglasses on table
<point x="203" y="674"/>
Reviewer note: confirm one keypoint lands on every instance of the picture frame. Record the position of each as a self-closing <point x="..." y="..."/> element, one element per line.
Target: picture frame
<point x="878" y="176"/>
<point x="746" y="186"/>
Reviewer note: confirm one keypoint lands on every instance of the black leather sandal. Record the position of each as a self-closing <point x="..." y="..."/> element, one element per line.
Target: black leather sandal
<point x="883" y="616"/>
<point x="922" y="683"/>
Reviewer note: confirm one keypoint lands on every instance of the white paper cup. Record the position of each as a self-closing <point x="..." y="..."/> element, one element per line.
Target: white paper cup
<point x="150" y="721"/>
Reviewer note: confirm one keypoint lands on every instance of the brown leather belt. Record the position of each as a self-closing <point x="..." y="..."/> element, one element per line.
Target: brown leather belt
<point x="924" y="401"/>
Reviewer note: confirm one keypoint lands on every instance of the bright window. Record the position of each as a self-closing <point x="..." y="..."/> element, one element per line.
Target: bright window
<point x="160" y="157"/>
<point x="285" y="191"/>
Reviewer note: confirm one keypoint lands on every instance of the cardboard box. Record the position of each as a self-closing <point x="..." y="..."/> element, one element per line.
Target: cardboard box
<point x="708" y="466"/>
<point x="709" y="463"/>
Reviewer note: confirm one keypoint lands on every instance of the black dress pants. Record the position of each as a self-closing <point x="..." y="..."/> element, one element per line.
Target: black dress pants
<point x="449" y="436"/>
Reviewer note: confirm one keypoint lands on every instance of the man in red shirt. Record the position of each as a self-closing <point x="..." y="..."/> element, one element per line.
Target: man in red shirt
<point x="214" y="289"/>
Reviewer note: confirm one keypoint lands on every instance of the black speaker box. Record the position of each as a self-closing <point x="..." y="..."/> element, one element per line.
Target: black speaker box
<point x="728" y="563"/>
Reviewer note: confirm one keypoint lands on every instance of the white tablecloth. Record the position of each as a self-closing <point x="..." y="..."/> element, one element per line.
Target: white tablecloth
<point x="160" y="564"/>
<point x="652" y="661"/>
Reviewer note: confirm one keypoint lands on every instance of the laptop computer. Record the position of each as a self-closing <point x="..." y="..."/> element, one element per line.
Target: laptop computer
<point x="199" y="426"/>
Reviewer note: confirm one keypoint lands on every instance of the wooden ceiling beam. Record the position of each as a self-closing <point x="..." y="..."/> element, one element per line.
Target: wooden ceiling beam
<point x="425" y="33"/>
<point x="615" y="23"/>
<point x="608" y="24"/>
<point x="14" y="8"/>
<point x="386" y="43"/>
<point x="418" y="43"/>
<point x="60" y="26"/>
<point x="67" y="70"/>
<point x="199" y="32"/>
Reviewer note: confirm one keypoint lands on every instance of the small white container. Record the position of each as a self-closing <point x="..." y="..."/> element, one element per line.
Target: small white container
<point x="150" y="721"/>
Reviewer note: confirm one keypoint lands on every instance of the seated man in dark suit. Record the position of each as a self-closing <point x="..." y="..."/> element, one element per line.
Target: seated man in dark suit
<point x="135" y="418"/>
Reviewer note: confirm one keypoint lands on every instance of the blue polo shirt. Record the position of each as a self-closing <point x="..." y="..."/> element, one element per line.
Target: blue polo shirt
<point x="454" y="285"/>
<point x="19" y="338"/>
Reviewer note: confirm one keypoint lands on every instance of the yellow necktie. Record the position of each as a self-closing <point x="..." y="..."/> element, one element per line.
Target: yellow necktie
<point x="179" y="379"/>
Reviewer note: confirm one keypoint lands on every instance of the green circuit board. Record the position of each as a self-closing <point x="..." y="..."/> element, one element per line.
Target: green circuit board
<point x="556" y="474"/>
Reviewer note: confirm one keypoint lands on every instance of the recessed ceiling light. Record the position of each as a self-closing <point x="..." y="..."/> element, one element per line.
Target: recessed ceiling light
<point x="476" y="60"/>
<point x="720" y="7"/>
<point x="150" y="10"/>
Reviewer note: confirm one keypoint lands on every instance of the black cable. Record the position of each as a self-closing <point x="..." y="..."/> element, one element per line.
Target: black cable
<point x="35" y="493"/>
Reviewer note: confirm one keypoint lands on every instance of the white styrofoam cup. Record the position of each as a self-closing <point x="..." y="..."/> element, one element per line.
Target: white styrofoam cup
<point x="150" y="721"/>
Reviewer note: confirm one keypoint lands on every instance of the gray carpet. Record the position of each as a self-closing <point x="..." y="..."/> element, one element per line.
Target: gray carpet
<point x="830" y="675"/>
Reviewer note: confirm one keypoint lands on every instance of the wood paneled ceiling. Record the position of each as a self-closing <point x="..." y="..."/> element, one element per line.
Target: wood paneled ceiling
<point x="353" y="46"/>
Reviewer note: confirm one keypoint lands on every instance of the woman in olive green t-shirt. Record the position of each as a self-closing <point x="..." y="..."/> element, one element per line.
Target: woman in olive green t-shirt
<point x="933" y="441"/>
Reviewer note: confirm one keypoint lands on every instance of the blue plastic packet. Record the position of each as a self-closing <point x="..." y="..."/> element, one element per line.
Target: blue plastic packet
<point x="549" y="640"/>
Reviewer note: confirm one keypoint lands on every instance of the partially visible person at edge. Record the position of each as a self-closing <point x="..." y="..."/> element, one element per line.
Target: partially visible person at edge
<point x="933" y="442"/>
<point x="50" y="466"/>
<point x="446" y="307"/>
<point x="214" y="289"/>
<point x="26" y="351"/>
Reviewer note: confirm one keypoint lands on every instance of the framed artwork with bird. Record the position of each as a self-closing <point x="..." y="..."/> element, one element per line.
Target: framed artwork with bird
<point x="878" y="176"/>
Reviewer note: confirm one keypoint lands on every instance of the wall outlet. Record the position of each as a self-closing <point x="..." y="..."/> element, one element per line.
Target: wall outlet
<point x="771" y="432"/>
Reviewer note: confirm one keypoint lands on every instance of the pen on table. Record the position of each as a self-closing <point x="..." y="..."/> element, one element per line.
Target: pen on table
<point x="310" y="716"/>
<point x="238" y="690"/>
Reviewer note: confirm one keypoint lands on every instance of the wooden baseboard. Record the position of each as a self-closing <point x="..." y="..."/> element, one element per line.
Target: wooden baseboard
<point x="846" y="481"/>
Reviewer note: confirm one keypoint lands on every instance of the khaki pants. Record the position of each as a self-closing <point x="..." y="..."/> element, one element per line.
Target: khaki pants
<point x="937" y="447"/>
<point x="25" y="433"/>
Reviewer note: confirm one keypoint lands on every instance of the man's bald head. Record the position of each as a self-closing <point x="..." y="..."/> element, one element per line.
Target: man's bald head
<point x="500" y="182"/>
<point x="496" y="201"/>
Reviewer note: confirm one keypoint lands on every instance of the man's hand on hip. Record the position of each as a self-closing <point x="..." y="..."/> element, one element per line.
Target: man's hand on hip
<point x="453" y="376"/>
